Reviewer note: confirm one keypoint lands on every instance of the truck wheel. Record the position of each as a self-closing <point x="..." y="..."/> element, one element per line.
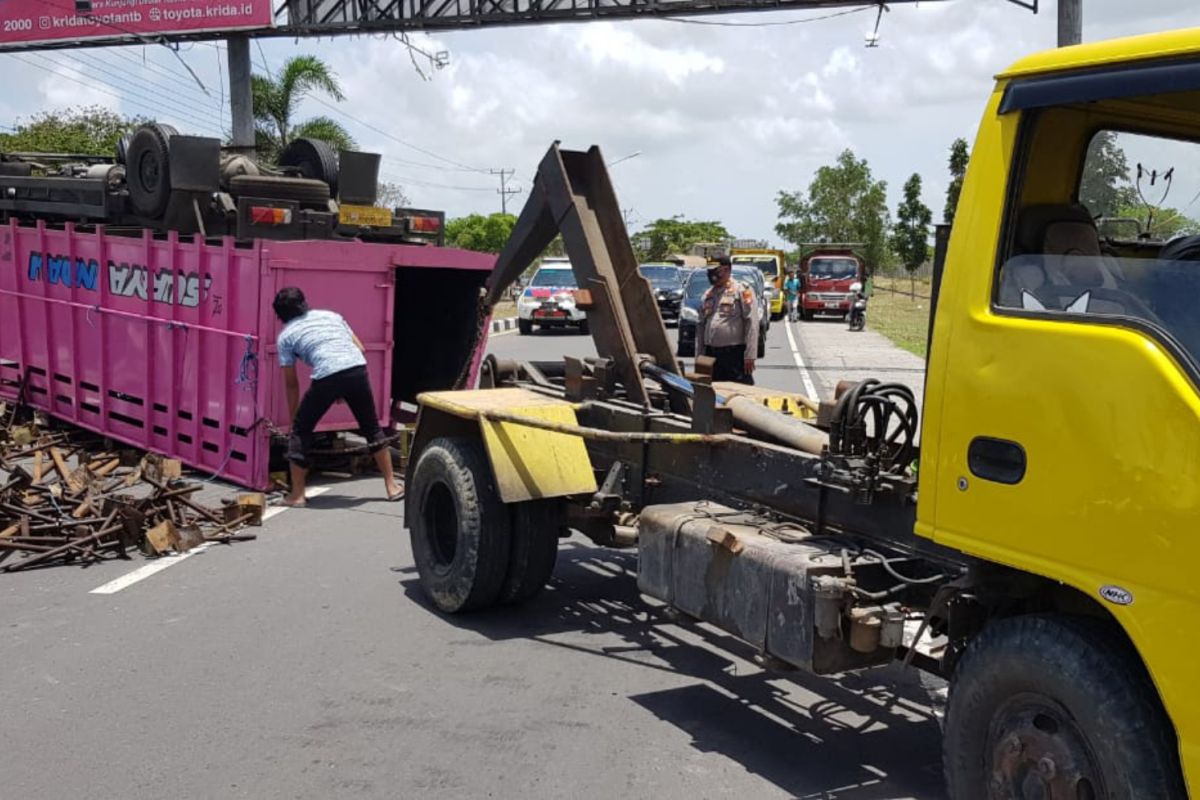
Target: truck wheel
<point x="460" y="528"/>
<point x="315" y="159"/>
<point x="533" y="549"/>
<point x="807" y="316"/>
<point x="584" y="328"/>
<point x="1056" y="707"/>
<point x="524" y="327"/>
<point x="148" y="171"/>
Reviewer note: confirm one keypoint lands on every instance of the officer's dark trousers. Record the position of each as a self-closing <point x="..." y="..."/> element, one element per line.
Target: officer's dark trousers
<point x="730" y="364"/>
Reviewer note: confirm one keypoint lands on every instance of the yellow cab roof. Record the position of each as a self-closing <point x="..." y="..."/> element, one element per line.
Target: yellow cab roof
<point x="1169" y="44"/>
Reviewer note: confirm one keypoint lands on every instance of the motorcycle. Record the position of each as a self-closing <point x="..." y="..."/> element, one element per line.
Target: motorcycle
<point x="858" y="308"/>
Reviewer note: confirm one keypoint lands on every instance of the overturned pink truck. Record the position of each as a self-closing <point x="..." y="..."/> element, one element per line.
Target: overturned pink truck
<point x="148" y="319"/>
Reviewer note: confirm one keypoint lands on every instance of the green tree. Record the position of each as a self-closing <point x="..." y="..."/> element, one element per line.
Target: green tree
<point x="277" y="98"/>
<point x="1105" y="188"/>
<point x="88" y="131"/>
<point x="476" y="232"/>
<point x="1161" y="223"/>
<point x="666" y="236"/>
<point x="960" y="156"/>
<point x="844" y="203"/>
<point x="910" y="235"/>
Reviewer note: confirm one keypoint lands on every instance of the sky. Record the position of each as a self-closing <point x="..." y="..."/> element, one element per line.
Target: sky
<point x="720" y="118"/>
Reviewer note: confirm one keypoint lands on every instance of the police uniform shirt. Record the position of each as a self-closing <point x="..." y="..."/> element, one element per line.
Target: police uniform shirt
<point x="728" y="318"/>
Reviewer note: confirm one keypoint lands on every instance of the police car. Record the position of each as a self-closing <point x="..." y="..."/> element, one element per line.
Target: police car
<point x="549" y="299"/>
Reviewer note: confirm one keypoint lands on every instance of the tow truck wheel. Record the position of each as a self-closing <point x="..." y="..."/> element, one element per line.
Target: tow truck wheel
<point x="460" y="529"/>
<point x="1056" y="707"/>
<point x="533" y="550"/>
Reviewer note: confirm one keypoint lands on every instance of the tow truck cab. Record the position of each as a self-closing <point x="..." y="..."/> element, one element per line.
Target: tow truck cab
<point x="1062" y="400"/>
<point x="826" y="274"/>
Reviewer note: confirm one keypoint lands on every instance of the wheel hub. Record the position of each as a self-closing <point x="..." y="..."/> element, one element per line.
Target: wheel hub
<point x="1038" y="753"/>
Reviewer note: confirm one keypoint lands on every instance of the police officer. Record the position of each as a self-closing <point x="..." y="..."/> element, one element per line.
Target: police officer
<point x="728" y="329"/>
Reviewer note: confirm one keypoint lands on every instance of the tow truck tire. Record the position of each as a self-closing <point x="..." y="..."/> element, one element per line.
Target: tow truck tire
<point x="460" y="529"/>
<point x="315" y="158"/>
<point x="533" y="549"/>
<point x="270" y="187"/>
<point x="148" y="169"/>
<point x="1056" y="706"/>
<point x="524" y="327"/>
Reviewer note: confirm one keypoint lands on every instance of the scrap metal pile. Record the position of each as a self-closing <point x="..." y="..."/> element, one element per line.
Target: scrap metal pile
<point x="69" y="497"/>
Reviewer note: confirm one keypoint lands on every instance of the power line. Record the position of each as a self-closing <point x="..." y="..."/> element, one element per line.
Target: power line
<point x="461" y="166"/>
<point x="410" y="181"/>
<point x="147" y="104"/>
<point x="146" y="85"/>
<point x="155" y="102"/>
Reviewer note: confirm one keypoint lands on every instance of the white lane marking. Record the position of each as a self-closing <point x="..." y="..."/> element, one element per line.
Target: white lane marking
<point x="164" y="562"/>
<point x="809" y="387"/>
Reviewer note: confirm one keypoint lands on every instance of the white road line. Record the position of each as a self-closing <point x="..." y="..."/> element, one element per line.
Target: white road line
<point x="810" y="388"/>
<point x="164" y="562"/>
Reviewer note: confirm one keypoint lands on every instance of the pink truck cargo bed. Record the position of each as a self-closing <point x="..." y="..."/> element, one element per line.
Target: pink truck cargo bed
<point x="169" y="345"/>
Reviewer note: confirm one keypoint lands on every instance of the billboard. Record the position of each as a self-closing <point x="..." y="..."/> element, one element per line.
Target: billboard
<point x="28" y="22"/>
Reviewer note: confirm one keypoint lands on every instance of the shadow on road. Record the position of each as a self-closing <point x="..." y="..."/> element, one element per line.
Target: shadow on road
<point x="865" y="736"/>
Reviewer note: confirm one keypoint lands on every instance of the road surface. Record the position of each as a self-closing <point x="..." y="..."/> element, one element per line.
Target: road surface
<point x="307" y="664"/>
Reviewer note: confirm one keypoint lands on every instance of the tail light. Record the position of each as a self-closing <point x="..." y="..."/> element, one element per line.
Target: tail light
<point x="260" y="215"/>
<point x="425" y="224"/>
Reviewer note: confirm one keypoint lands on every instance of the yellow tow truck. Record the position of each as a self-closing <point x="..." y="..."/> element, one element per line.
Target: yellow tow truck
<point x="1030" y="531"/>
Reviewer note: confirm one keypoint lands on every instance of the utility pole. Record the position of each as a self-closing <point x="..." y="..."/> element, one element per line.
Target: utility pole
<point x="241" y="100"/>
<point x="504" y="191"/>
<point x="1070" y="22"/>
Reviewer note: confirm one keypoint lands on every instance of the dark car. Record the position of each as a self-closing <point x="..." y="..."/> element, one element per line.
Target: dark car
<point x="666" y="281"/>
<point x="693" y="293"/>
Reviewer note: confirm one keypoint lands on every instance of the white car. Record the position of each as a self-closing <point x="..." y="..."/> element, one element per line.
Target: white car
<point x="549" y="299"/>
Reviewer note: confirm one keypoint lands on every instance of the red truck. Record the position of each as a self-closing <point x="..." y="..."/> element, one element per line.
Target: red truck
<point x="826" y="273"/>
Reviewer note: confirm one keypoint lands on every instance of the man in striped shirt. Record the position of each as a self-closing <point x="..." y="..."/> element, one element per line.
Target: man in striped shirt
<point x="323" y="341"/>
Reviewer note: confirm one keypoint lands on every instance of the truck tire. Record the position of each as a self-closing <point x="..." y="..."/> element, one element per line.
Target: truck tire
<point x="584" y="328"/>
<point x="524" y="327"/>
<point x="533" y="549"/>
<point x="460" y="530"/>
<point x="1056" y="706"/>
<point x="148" y="170"/>
<point x="807" y="316"/>
<point x="315" y="158"/>
<point x="270" y="187"/>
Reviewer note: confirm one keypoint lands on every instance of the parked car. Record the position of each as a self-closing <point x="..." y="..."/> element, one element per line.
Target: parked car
<point x="693" y="293"/>
<point x="666" y="280"/>
<point x="549" y="299"/>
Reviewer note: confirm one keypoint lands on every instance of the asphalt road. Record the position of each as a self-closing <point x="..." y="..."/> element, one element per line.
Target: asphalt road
<point x="308" y="665"/>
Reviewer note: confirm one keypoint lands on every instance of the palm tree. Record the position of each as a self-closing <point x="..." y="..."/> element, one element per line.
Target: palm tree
<point x="276" y="100"/>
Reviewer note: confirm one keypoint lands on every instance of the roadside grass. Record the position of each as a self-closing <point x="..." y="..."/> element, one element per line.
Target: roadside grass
<point x="899" y="316"/>
<point x="505" y="309"/>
